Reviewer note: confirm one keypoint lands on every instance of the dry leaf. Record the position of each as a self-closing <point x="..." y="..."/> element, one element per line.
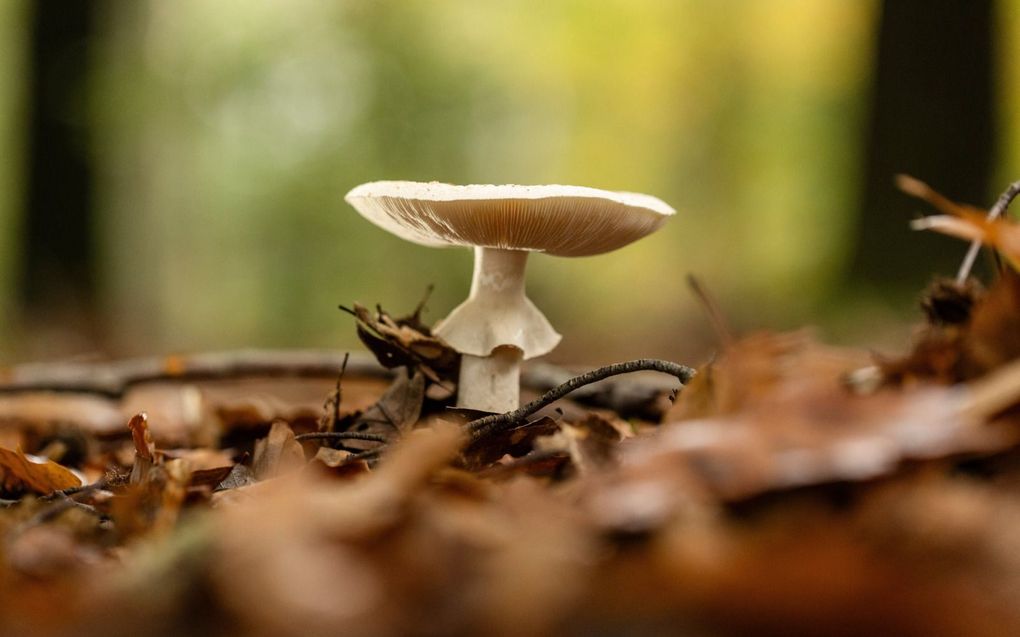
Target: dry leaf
<point x="397" y="411"/>
<point x="405" y="342"/>
<point x="37" y="474"/>
<point x="278" y="453"/>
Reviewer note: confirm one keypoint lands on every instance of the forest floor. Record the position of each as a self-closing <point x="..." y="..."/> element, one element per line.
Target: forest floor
<point x="785" y="488"/>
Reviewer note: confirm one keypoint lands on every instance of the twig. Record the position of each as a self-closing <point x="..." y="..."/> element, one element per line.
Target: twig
<point x="368" y="454"/>
<point x="54" y="510"/>
<point x="101" y="483"/>
<point x="336" y="397"/>
<point x="416" y="315"/>
<point x="499" y="422"/>
<point x="997" y="210"/>
<point x="340" y="435"/>
<point x="715" y="315"/>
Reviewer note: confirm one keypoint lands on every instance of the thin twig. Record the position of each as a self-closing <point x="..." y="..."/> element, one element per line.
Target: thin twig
<point x="416" y="315"/>
<point x="55" y="509"/>
<point x="715" y="314"/>
<point x="336" y="397"/>
<point x="499" y="422"/>
<point x="997" y="210"/>
<point x="367" y="454"/>
<point x="99" y="484"/>
<point x="340" y="435"/>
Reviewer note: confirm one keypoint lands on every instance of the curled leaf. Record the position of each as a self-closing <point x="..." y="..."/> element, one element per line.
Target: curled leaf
<point x="37" y="474"/>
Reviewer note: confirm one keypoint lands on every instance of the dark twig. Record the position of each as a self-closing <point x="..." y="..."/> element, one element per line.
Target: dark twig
<point x="98" y="485"/>
<point x="368" y="454"/>
<point x="340" y="435"/>
<point x="496" y="423"/>
<point x="416" y="315"/>
<point x="55" y="509"/>
<point x="997" y="210"/>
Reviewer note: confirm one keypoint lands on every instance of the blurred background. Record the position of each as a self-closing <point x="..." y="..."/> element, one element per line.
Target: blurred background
<point x="172" y="173"/>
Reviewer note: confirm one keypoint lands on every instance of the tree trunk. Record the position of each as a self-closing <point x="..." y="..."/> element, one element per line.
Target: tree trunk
<point x="57" y="273"/>
<point x="933" y="117"/>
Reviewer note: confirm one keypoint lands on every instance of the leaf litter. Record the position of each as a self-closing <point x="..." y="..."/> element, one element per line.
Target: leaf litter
<point x="792" y="488"/>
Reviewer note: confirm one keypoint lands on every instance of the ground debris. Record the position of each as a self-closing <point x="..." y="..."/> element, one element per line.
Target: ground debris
<point x="777" y="496"/>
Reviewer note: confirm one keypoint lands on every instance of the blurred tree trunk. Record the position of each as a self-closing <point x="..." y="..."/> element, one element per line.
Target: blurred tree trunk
<point x="932" y="116"/>
<point x="57" y="280"/>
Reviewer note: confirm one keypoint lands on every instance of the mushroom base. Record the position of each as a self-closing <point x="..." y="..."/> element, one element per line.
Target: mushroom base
<point x="490" y="383"/>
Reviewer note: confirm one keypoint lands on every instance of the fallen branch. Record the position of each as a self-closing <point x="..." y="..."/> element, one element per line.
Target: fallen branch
<point x="496" y="423"/>
<point x="112" y="380"/>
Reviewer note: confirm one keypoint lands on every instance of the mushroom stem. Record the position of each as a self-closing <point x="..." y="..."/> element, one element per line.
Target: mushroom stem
<point x="494" y="329"/>
<point x="498" y="276"/>
<point x="491" y="383"/>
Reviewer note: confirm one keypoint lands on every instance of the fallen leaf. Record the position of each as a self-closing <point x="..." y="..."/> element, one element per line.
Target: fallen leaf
<point x="239" y="476"/>
<point x="396" y="412"/>
<point x="37" y="474"/>
<point x="512" y="443"/>
<point x="278" y="453"/>
<point x="405" y="342"/>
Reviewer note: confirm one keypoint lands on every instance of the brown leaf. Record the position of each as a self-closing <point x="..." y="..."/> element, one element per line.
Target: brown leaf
<point x="1002" y="234"/>
<point x="762" y="366"/>
<point x="774" y="414"/>
<point x="278" y="453"/>
<point x="239" y="476"/>
<point x="211" y="477"/>
<point x="397" y="411"/>
<point x="405" y="342"/>
<point x="37" y="474"/>
<point x="515" y="443"/>
<point x="338" y="462"/>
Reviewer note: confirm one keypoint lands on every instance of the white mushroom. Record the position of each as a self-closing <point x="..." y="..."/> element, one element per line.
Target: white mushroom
<point x="498" y="326"/>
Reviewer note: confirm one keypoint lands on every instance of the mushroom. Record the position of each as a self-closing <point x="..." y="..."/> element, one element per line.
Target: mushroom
<point x="498" y="326"/>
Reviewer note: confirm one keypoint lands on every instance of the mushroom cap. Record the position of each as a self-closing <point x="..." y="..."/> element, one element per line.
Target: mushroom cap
<point x="569" y="221"/>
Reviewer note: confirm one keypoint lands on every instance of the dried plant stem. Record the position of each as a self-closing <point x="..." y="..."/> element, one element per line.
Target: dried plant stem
<point x="500" y="422"/>
<point x="715" y="313"/>
<point x="997" y="210"/>
<point x="332" y="406"/>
